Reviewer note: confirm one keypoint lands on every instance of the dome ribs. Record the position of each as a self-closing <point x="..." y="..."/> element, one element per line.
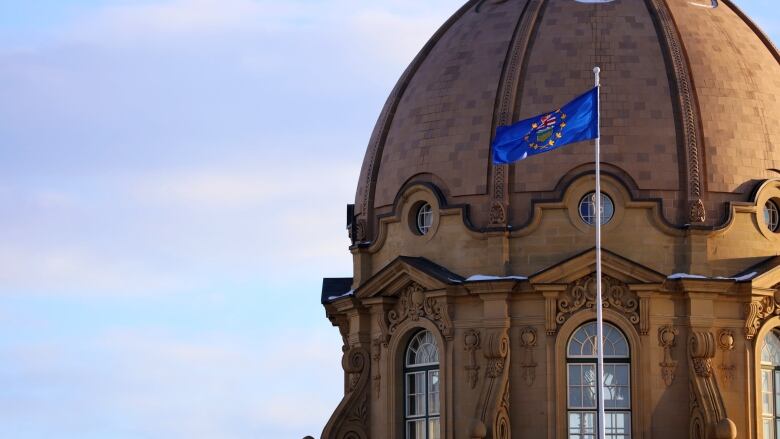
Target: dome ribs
<point x="687" y="106"/>
<point x="505" y="103"/>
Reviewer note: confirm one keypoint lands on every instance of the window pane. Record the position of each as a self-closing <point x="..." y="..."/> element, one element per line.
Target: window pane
<point x="766" y="392"/>
<point x="415" y="394"/>
<point x="767" y="428"/>
<point x="582" y="386"/>
<point x="617" y="392"/>
<point x="434" y="429"/>
<point x="415" y="429"/>
<point x="582" y="425"/>
<point x="617" y="425"/>
<point x="433" y="392"/>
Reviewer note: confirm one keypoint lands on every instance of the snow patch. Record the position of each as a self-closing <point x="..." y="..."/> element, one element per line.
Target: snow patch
<point x="483" y="277"/>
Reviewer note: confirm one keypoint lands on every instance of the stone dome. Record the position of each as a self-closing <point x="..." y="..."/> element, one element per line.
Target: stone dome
<point x="690" y="108"/>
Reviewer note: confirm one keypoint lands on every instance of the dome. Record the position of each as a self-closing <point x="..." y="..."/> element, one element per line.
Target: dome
<point x="690" y="108"/>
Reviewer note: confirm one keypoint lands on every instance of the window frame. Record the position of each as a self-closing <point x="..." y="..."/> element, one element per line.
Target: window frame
<point x="424" y="218"/>
<point x="771" y="212"/>
<point x="608" y="360"/>
<point x="427" y="369"/>
<point x="774" y="391"/>
<point x="590" y="218"/>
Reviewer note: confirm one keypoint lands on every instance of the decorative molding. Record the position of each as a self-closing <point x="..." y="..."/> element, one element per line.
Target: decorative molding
<point x="667" y="339"/>
<point x="644" y="314"/>
<point x="708" y="412"/>
<point x="493" y="407"/>
<point x="350" y="419"/>
<point x="528" y="339"/>
<point x="550" y="312"/>
<point x="471" y="341"/>
<point x="413" y="305"/>
<point x="506" y="101"/>
<point x="757" y="312"/>
<point x="688" y="107"/>
<point x="727" y="366"/>
<point x="582" y="295"/>
<point x="702" y="350"/>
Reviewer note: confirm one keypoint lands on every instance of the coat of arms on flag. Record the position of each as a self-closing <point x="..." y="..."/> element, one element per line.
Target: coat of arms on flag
<point x="547" y="130"/>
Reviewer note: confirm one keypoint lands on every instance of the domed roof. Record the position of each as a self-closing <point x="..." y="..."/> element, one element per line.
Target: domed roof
<point x="690" y="107"/>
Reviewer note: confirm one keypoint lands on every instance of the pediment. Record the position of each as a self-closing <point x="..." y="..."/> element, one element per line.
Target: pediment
<point x="765" y="274"/>
<point x="405" y="270"/>
<point x="583" y="264"/>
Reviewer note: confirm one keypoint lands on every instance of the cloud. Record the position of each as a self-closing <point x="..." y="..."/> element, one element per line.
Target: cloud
<point x="151" y="383"/>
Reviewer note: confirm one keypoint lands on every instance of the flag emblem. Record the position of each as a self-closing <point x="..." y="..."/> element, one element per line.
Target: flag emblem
<point x="547" y="130"/>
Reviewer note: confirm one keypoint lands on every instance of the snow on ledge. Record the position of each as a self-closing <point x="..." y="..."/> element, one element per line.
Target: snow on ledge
<point x="347" y="294"/>
<point x="696" y="276"/>
<point x="483" y="277"/>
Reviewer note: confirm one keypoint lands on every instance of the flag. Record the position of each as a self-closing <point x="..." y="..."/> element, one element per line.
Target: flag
<point x="575" y="121"/>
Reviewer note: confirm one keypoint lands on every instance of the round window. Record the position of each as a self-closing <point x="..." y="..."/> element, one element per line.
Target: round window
<point x="588" y="208"/>
<point x="424" y="218"/>
<point x="772" y="216"/>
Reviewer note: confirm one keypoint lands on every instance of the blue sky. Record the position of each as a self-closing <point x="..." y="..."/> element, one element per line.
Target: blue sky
<point x="173" y="176"/>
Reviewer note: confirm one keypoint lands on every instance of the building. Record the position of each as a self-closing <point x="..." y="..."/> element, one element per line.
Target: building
<point x="470" y="313"/>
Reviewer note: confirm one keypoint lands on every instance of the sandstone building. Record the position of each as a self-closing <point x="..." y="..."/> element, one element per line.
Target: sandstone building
<point x="470" y="312"/>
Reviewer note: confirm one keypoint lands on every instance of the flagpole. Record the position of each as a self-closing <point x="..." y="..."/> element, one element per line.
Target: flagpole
<point x="599" y="316"/>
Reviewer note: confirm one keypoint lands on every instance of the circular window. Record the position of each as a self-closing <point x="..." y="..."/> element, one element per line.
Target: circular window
<point x="588" y="208"/>
<point x="424" y="218"/>
<point x="772" y="216"/>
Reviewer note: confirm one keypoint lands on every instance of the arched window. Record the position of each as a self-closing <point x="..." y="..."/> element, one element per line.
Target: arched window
<point x="421" y="388"/>
<point x="770" y="386"/>
<point x="582" y="391"/>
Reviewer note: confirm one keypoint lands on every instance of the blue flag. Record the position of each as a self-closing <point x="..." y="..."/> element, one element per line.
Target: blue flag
<point x="575" y="121"/>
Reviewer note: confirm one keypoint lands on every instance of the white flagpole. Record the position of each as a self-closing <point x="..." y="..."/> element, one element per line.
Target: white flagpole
<point x="599" y="316"/>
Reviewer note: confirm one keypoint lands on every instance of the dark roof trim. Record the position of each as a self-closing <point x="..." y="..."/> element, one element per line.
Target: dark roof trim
<point x="335" y="288"/>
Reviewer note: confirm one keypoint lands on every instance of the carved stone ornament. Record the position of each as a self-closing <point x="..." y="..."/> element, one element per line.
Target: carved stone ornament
<point x="413" y="305"/>
<point x="497" y="214"/>
<point x="491" y="418"/>
<point x="702" y="350"/>
<point x="614" y="294"/>
<point x="726" y="344"/>
<point x="757" y="312"/>
<point x="667" y="340"/>
<point x="698" y="212"/>
<point x="528" y="339"/>
<point x="350" y="419"/>
<point x="471" y="341"/>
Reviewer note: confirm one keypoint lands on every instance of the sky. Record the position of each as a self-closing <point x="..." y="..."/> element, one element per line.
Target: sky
<point x="173" y="183"/>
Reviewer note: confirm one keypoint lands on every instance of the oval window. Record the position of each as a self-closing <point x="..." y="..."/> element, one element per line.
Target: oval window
<point x="587" y="208"/>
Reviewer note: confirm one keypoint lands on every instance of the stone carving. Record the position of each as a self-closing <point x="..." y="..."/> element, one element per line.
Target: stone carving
<point x="698" y="213"/>
<point x="582" y="294"/>
<point x="726" y="344"/>
<point x="667" y="340"/>
<point x="528" y="339"/>
<point x="702" y="350"/>
<point x="687" y="105"/>
<point x="471" y="340"/>
<point x="497" y="214"/>
<point x="708" y="413"/>
<point x="492" y="415"/>
<point x="644" y="314"/>
<point x="350" y="419"/>
<point x="757" y="312"/>
<point x="413" y="305"/>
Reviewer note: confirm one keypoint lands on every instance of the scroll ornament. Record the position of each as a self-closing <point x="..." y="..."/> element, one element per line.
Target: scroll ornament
<point x="413" y="305"/>
<point x="757" y="312"/>
<point x="582" y="294"/>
